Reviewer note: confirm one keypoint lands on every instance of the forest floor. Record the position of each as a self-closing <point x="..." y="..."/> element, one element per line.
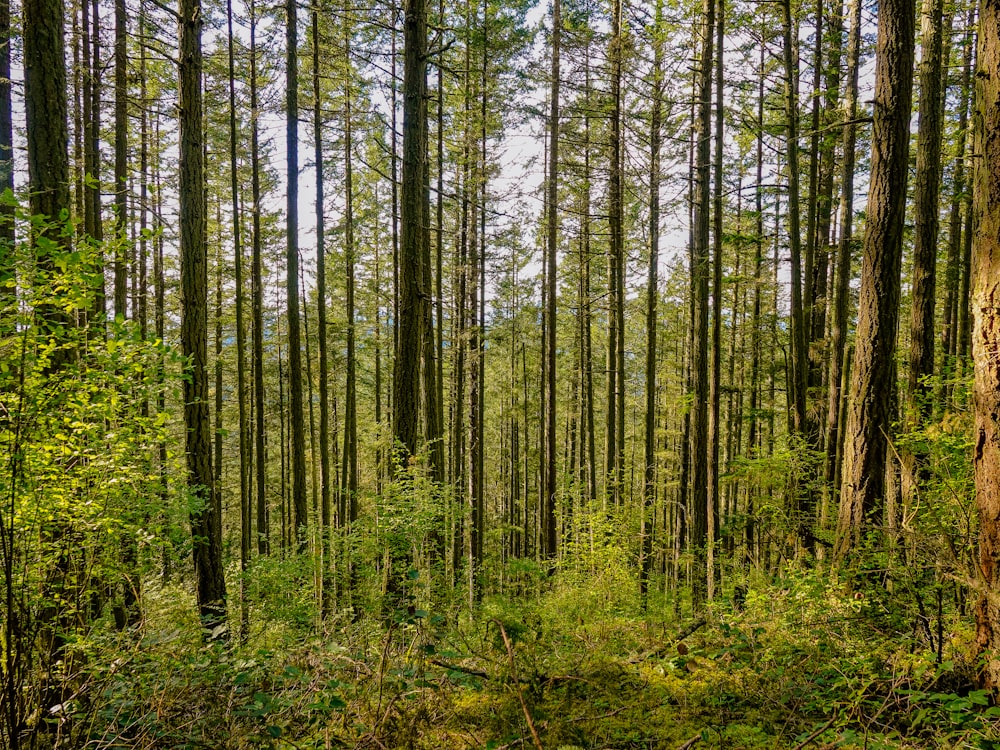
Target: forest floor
<point x="802" y="664"/>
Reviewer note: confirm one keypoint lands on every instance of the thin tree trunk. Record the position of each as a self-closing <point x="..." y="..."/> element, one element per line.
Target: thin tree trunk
<point x="326" y="525"/>
<point x="121" y="158"/>
<point x="715" y="383"/>
<point x="257" y="273"/>
<point x="652" y="292"/>
<point x="926" y="208"/>
<point x="698" y="509"/>
<point x="296" y="415"/>
<point x="841" y="287"/>
<point x="548" y="505"/>
<point x="241" y="379"/>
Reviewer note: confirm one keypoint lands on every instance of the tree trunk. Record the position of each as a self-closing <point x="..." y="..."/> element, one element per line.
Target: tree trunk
<point x="406" y="380"/>
<point x="652" y="293"/>
<point x="926" y="211"/>
<point x="715" y="378"/>
<point x="296" y="420"/>
<point x="842" y="277"/>
<point x="326" y="521"/>
<point x="121" y="158"/>
<point x="205" y="523"/>
<point x="872" y="382"/>
<point x="257" y="273"/>
<point x="986" y="336"/>
<point x="548" y="504"/>
<point x="698" y="508"/>
<point x="241" y="379"/>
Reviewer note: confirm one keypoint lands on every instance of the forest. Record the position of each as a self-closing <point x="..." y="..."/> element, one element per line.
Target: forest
<point x="473" y="374"/>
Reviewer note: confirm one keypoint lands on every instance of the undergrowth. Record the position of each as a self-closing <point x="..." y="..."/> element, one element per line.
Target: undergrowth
<point x="803" y="663"/>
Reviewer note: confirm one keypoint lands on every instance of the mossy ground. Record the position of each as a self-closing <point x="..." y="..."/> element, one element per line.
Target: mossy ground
<point x="803" y="664"/>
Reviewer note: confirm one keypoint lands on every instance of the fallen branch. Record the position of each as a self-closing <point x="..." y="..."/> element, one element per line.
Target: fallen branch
<point x="690" y="743"/>
<point x="459" y="668"/>
<point x="816" y="734"/>
<point x="517" y="686"/>
<point x="689" y="630"/>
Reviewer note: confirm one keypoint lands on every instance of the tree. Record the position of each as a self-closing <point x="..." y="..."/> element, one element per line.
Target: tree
<point x="296" y="418"/>
<point x="205" y="523"/>
<point x="986" y="335"/>
<point x="873" y="379"/>
<point x="548" y="504"/>
<point x="406" y="377"/>
<point x="842" y="272"/>
<point x="121" y="158"/>
<point x="652" y="292"/>
<point x="698" y="508"/>
<point x="926" y="211"/>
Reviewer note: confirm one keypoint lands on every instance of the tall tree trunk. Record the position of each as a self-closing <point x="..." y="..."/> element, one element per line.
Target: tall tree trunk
<point x="842" y="277"/>
<point x="326" y="525"/>
<point x="91" y="146"/>
<point x="548" y="505"/>
<point x="652" y="292"/>
<point x="121" y="158"/>
<point x="872" y="382"/>
<point x="412" y="251"/>
<point x="715" y="381"/>
<point x="698" y="509"/>
<point x="205" y="523"/>
<point x="241" y="379"/>
<point x="798" y="381"/>
<point x="349" y="475"/>
<point x="257" y="273"/>
<point x="926" y="210"/>
<point x="406" y="380"/>
<point x="6" y="158"/>
<point x="949" y="334"/>
<point x="986" y="335"/>
<point x="296" y="415"/>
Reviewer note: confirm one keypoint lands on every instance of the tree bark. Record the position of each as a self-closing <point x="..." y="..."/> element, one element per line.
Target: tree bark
<point x="205" y="523"/>
<point x="872" y="382"/>
<point x="986" y="336"/>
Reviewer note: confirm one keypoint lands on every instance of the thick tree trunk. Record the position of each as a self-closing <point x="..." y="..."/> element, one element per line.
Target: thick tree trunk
<point x="986" y="336"/>
<point x="205" y="523"/>
<point x="406" y="381"/>
<point x="873" y="382"/>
